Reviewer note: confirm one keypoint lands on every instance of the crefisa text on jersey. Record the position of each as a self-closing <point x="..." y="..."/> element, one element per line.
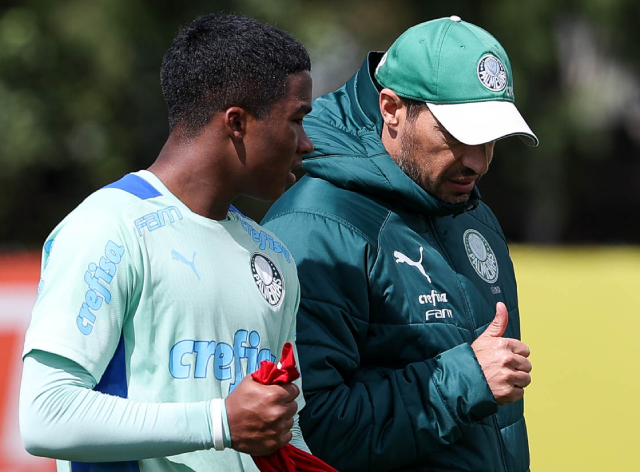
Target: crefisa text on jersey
<point x="98" y="293"/>
<point x="227" y="359"/>
<point x="266" y="240"/>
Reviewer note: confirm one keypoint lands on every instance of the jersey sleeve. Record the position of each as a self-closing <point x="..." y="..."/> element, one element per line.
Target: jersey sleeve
<point x="86" y="291"/>
<point x="297" y="438"/>
<point x="292" y="339"/>
<point x="63" y="418"/>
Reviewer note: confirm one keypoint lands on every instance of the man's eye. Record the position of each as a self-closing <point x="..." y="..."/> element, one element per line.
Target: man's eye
<point x="449" y="138"/>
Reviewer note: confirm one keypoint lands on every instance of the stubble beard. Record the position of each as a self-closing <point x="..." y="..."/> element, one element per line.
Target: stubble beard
<point x="407" y="160"/>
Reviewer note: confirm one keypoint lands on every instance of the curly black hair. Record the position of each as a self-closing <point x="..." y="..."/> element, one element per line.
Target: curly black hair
<point x="219" y="61"/>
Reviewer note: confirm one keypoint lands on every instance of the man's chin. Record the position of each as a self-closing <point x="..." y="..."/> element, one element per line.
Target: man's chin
<point x="454" y="199"/>
<point x="449" y="197"/>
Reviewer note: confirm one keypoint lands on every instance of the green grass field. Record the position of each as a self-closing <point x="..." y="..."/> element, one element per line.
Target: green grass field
<point x="580" y="310"/>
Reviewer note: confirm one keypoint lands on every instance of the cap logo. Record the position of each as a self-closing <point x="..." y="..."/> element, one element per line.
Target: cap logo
<point x="491" y="73"/>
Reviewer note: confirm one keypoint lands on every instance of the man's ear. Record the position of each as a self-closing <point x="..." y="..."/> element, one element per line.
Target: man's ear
<point x="235" y="122"/>
<point x="392" y="108"/>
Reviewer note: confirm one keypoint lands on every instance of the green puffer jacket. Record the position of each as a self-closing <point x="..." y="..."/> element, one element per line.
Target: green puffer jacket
<point x="395" y="287"/>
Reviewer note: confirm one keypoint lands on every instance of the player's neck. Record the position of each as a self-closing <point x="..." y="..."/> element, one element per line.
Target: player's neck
<point x="196" y="174"/>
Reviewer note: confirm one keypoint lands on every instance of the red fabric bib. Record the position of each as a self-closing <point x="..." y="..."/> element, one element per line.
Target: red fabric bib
<point x="289" y="458"/>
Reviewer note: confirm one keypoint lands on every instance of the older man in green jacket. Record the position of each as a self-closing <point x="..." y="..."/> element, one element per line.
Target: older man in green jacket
<point x="408" y="329"/>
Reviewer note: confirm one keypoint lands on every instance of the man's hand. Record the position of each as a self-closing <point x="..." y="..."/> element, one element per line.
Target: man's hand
<point x="503" y="360"/>
<point x="260" y="416"/>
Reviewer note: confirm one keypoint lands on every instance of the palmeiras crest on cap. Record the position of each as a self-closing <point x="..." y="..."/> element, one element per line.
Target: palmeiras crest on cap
<point x="492" y="73"/>
<point x="268" y="279"/>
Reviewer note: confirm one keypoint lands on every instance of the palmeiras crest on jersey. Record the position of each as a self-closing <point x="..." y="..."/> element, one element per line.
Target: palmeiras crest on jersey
<point x="481" y="256"/>
<point x="268" y="279"/>
<point x="492" y="73"/>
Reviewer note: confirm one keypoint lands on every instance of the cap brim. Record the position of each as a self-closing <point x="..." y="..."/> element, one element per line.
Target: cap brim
<point x="482" y="122"/>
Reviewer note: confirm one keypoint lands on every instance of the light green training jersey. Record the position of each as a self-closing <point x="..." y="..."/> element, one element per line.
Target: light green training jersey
<point x="160" y="304"/>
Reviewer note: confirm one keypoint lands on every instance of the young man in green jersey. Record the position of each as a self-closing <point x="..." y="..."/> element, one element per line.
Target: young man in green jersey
<point x="158" y="297"/>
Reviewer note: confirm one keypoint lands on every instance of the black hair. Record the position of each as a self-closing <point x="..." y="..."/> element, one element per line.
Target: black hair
<point x="414" y="108"/>
<point x="219" y="61"/>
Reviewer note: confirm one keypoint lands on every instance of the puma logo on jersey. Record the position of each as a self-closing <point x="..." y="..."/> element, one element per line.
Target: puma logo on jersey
<point x="176" y="256"/>
<point x="402" y="259"/>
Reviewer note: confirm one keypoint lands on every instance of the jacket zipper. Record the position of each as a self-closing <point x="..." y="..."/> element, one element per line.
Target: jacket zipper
<point x="500" y="442"/>
<point x="465" y="302"/>
<point x="470" y="320"/>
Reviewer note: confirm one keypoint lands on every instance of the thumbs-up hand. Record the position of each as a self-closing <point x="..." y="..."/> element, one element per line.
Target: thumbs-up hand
<point x="503" y="360"/>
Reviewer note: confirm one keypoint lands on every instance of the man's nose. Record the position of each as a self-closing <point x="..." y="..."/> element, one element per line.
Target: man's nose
<point x="305" y="145"/>
<point x="477" y="158"/>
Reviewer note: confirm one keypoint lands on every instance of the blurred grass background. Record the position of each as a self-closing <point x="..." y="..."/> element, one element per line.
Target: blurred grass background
<point x="580" y="315"/>
<point x="81" y="105"/>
